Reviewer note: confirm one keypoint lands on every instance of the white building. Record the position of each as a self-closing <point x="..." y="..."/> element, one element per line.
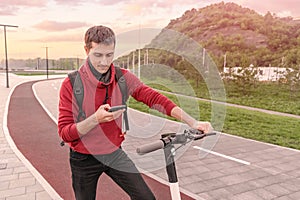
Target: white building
<point x="263" y="73"/>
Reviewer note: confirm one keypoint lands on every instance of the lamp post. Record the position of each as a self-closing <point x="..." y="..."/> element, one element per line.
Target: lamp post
<point x="6" y="59"/>
<point x="47" y="64"/>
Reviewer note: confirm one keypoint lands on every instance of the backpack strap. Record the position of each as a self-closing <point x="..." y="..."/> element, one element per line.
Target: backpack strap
<point x="123" y="87"/>
<point x="122" y="84"/>
<point x="78" y="92"/>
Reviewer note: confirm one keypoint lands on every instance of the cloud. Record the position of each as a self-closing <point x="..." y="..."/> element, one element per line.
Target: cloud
<point x="48" y="25"/>
<point x="157" y="7"/>
<point x="111" y="2"/>
<point x="11" y="7"/>
<point x="140" y="11"/>
<point x="8" y="10"/>
<point x="69" y="2"/>
<point x="30" y="3"/>
<point x="132" y="10"/>
<point x="80" y="2"/>
<point x="161" y="4"/>
<point x="61" y="38"/>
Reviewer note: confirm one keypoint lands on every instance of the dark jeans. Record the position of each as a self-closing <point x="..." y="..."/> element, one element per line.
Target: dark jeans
<point x="86" y="170"/>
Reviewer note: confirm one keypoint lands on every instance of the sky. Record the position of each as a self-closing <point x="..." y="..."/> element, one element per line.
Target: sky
<point x="60" y="25"/>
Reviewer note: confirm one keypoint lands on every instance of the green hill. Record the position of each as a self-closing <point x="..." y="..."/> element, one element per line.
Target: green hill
<point x="245" y="36"/>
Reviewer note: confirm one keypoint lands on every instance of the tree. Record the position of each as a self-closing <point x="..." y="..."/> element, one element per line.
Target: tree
<point x="245" y="79"/>
<point x="293" y="58"/>
<point x="292" y="78"/>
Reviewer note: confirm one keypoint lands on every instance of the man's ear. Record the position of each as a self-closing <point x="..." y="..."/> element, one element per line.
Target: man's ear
<point x="87" y="50"/>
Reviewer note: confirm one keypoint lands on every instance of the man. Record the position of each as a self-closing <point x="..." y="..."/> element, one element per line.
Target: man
<point x="95" y="142"/>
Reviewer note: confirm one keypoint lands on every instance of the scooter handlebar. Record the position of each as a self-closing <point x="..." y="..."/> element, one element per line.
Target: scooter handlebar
<point x="198" y="137"/>
<point x="147" y="148"/>
<point x="175" y="139"/>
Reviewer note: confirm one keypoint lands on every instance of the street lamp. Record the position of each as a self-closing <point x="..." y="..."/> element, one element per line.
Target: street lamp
<point x="47" y="61"/>
<point x="47" y="66"/>
<point x="6" y="59"/>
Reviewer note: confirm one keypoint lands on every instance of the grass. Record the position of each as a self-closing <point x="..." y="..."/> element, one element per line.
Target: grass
<point x="270" y="96"/>
<point x="36" y="73"/>
<point x="32" y="74"/>
<point x="283" y="131"/>
<point x="273" y="129"/>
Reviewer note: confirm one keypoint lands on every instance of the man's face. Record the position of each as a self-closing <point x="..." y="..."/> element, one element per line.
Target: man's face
<point x="101" y="56"/>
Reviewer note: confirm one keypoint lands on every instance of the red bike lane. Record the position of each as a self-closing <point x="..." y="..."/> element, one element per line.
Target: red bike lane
<point x="35" y="135"/>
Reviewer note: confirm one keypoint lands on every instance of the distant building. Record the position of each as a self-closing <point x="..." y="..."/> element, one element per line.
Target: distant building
<point x="271" y="73"/>
<point x="263" y="73"/>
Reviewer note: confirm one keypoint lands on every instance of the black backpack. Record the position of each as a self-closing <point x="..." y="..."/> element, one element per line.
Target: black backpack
<point x="78" y="92"/>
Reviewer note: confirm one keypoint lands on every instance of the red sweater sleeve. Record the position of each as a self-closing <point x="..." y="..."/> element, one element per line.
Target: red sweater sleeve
<point x="148" y="96"/>
<point x="66" y="125"/>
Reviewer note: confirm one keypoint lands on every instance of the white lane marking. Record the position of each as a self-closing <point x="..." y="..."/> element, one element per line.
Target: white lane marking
<point x="222" y="155"/>
<point x="42" y="104"/>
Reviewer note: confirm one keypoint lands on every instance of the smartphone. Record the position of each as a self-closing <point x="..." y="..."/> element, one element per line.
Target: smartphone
<point x="115" y="108"/>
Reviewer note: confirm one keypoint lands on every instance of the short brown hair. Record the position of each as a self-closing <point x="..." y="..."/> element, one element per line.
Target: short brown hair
<point x="99" y="34"/>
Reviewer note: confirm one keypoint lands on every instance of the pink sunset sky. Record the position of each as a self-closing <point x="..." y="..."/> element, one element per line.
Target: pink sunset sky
<point x="61" y="24"/>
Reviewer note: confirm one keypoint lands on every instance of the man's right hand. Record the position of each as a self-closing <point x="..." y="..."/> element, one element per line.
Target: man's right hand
<point x="102" y="114"/>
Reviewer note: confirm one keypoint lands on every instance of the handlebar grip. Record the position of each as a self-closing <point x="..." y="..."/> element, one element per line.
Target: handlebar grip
<point x="211" y="133"/>
<point x="147" y="148"/>
<point x="198" y="137"/>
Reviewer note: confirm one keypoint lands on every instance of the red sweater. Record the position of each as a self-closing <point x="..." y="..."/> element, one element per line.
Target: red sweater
<point x="105" y="137"/>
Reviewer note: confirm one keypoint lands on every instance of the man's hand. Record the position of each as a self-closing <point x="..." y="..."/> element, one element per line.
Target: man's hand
<point x="203" y="126"/>
<point x="179" y="114"/>
<point x="102" y="114"/>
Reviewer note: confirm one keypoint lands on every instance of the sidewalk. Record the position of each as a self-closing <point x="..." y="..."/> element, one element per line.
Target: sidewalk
<point x="17" y="181"/>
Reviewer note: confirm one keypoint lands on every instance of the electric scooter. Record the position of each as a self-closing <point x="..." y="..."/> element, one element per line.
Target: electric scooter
<point x="167" y="143"/>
